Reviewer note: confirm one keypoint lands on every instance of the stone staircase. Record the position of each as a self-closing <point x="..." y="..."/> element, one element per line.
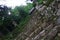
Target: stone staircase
<point x="41" y="26"/>
<point x="43" y="32"/>
<point x="37" y="34"/>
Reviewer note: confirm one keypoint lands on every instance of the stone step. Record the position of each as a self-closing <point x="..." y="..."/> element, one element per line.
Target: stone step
<point x="51" y="34"/>
<point x="39" y="23"/>
<point x="34" y="33"/>
<point x="42" y="33"/>
<point x="32" y="29"/>
<point x="37" y="30"/>
<point x="28" y="32"/>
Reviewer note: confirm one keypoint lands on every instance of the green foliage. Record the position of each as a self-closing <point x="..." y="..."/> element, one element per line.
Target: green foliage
<point x="23" y="15"/>
<point x="28" y="8"/>
<point x="40" y="1"/>
<point x="22" y="8"/>
<point x="20" y="14"/>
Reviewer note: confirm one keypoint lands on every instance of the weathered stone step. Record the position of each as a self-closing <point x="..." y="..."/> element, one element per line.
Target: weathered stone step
<point x="39" y="23"/>
<point x="26" y="34"/>
<point x="34" y="33"/>
<point x="42" y="33"/>
<point x="51" y="34"/>
<point x="32" y="29"/>
<point x="37" y="30"/>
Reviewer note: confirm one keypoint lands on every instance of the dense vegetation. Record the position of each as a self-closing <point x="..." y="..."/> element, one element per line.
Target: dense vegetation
<point x="12" y="24"/>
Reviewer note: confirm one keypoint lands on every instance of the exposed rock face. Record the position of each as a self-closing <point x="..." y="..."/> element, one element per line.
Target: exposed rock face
<point x="42" y="25"/>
